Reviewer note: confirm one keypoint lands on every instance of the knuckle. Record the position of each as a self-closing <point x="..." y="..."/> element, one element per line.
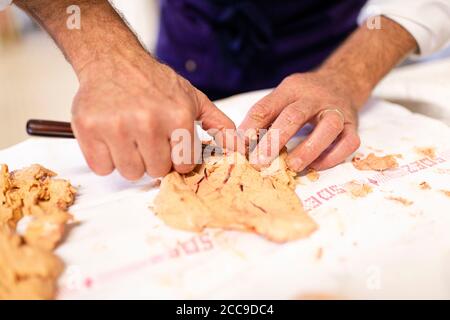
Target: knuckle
<point x="181" y="118"/>
<point x="85" y="122"/>
<point x="201" y="97"/>
<point x="296" y="163"/>
<point x="131" y="174"/>
<point x="335" y="124"/>
<point x="144" y="121"/>
<point x="184" y="168"/>
<point x="291" y="84"/>
<point x="144" y="117"/>
<point x="158" y="163"/>
<point x="294" y="114"/>
<point x="261" y="111"/>
<point x="91" y="162"/>
<point x="293" y="78"/>
<point x="309" y="147"/>
<point x="98" y="167"/>
<point x="354" y="142"/>
<point x="103" y="171"/>
<point x="157" y="173"/>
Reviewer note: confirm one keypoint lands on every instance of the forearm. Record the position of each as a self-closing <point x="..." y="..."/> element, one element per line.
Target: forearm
<point x="103" y="36"/>
<point x="367" y="56"/>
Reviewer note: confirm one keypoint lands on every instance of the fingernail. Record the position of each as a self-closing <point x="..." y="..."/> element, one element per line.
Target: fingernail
<point x="250" y="134"/>
<point x="258" y="160"/>
<point x="295" y="164"/>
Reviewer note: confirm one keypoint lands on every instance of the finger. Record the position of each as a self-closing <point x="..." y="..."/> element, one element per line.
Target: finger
<point x="153" y="144"/>
<point x="347" y="143"/>
<point x="124" y="153"/>
<point x="326" y="131"/>
<point x="217" y="123"/>
<point x="95" y="151"/>
<point x="184" y="144"/>
<point x="266" y="110"/>
<point x="97" y="156"/>
<point x="155" y="154"/>
<point x="290" y="120"/>
<point x="212" y="117"/>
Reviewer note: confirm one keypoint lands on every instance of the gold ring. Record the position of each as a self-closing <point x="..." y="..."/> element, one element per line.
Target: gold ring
<point x="339" y="112"/>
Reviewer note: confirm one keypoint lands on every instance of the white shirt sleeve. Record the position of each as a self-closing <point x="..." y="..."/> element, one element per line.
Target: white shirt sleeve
<point x="428" y="21"/>
<point x="4" y="4"/>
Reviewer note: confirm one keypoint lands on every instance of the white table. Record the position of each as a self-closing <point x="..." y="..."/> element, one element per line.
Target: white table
<point x="370" y="247"/>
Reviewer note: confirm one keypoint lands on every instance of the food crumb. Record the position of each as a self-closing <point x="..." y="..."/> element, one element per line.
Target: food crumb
<point x="358" y="189"/>
<point x="152" y="185"/>
<point x="312" y="175"/>
<point x="319" y="253"/>
<point x="403" y="201"/>
<point x="429" y="152"/>
<point x="446" y="192"/>
<point x="298" y="180"/>
<point x="424" y="185"/>
<point x="373" y="162"/>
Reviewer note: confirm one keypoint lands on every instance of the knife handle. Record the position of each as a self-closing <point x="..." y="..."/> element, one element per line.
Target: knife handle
<point x="60" y="129"/>
<point x="47" y="128"/>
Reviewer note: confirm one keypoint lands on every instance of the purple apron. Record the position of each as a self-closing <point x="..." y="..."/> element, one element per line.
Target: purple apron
<point x="226" y="47"/>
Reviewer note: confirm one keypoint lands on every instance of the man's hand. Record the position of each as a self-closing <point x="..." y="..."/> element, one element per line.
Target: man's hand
<point x="303" y="98"/>
<point x="329" y="98"/>
<point x="128" y="104"/>
<point x="124" y="115"/>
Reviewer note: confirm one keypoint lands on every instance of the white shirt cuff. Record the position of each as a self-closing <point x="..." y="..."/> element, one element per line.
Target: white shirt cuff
<point x="423" y="36"/>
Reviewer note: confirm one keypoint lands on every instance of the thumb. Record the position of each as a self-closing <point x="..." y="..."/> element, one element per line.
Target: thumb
<point x="211" y="116"/>
<point x="217" y="123"/>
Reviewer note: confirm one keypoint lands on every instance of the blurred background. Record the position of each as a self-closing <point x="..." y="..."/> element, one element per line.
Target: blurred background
<point x="37" y="82"/>
<point x="35" y="79"/>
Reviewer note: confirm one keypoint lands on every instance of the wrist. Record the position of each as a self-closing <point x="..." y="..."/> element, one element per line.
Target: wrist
<point x="114" y="63"/>
<point x="352" y="87"/>
<point x="366" y="57"/>
<point x="102" y="38"/>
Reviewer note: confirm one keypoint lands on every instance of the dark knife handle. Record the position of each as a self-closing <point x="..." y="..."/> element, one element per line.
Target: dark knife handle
<point x="47" y="128"/>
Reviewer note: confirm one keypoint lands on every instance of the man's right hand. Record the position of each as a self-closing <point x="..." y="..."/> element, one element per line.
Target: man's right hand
<point x="128" y="104"/>
<point x="126" y="110"/>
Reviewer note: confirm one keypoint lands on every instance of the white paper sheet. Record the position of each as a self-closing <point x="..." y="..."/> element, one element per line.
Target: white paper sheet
<point x="369" y="247"/>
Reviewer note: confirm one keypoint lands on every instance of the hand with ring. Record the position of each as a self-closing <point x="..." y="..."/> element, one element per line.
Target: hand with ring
<point x="307" y="98"/>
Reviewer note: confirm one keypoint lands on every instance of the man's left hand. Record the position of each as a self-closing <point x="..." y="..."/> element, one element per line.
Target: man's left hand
<point x="317" y="98"/>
